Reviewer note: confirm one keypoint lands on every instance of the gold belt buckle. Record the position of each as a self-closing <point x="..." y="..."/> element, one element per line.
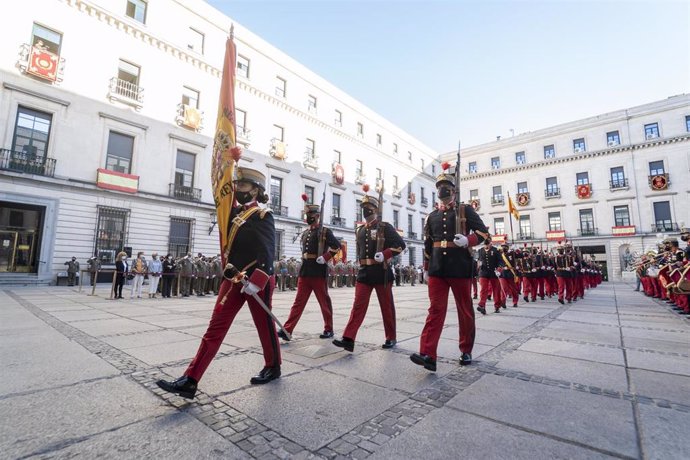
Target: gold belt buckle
<point x="444" y="244"/>
<point x="238" y="221"/>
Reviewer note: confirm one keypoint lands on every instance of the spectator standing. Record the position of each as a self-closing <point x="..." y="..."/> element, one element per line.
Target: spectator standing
<point x="138" y="269"/>
<point x="155" y="268"/>
<point x="72" y="270"/>
<point x="168" y="275"/>
<point x="121" y="269"/>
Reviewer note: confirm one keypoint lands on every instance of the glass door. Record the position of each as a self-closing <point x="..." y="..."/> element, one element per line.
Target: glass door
<point x="8" y="243"/>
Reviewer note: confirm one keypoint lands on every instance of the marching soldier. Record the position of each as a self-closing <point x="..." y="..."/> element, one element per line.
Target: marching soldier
<point x="377" y="243"/>
<point x="509" y="276"/>
<point x="563" y="275"/>
<point x="313" y="274"/>
<point x="489" y="258"/>
<point x="449" y="266"/>
<point x="251" y="245"/>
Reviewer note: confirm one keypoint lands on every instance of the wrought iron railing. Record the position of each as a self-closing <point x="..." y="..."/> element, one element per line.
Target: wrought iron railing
<point x="587" y="231"/>
<point x="27" y="163"/>
<point x="412" y="235"/>
<point x="278" y="210"/>
<point x="182" y="192"/>
<point x="497" y="199"/>
<point x="553" y="192"/>
<point x="664" y="227"/>
<point x="618" y="183"/>
<point x="338" y="221"/>
<point x="126" y="90"/>
<point x="425" y="201"/>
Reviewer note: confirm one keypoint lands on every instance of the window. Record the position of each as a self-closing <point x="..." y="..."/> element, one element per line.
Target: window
<point x="520" y="158"/>
<point x="196" y="41"/>
<point x="618" y="177"/>
<point x="120" y="150"/>
<point x="359" y="212"/>
<point x="472" y="168"/>
<point x="525" y="227"/>
<point x="241" y="121"/>
<point x="337" y="157"/>
<point x="651" y="131"/>
<point x="621" y="216"/>
<point x="497" y="194"/>
<point x="474" y="194"/>
<point x="586" y="222"/>
<point x="549" y="152"/>
<point x="309" y="191"/>
<point x="359" y="168"/>
<point x="613" y="138"/>
<point x="582" y="178"/>
<point x="433" y="169"/>
<point x="128" y="72"/>
<point x="379" y="140"/>
<point x="276" y="192"/>
<point x="281" y="87"/>
<point x="554" y="221"/>
<point x="242" y="66"/>
<point x="184" y="169"/>
<point x="338" y="118"/>
<point x="422" y="161"/>
<point x="552" y="187"/>
<point x="687" y="123"/>
<point x="409" y="189"/>
<point x="111" y="233"/>
<point x="662" y="217"/>
<point x="395" y="184"/>
<point x="410" y="228"/>
<point x="31" y="132"/>
<point x="396" y="218"/>
<point x="46" y="39"/>
<point x="310" y="151"/>
<point x="379" y="173"/>
<point x="395" y="149"/>
<point x="360" y="129"/>
<point x="136" y="9"/>
<point x="656" y="167"/>
<point x="278" y="133"/>
<point x="336" y="205"/>
<point x="421" y="194"/>
<point x="311" y="104"/>
<point x="180" y="240"/>
<point x="433" y="197"/>
<point x="279" y="245"/>
<point x="579" y="145"/>
<point x="190" y="97"/>
<point x="499" y="226"/>
<point x="496" y="163"/>
<point x="522" y="187"/>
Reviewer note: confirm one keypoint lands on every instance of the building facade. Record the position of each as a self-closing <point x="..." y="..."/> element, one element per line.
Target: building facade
<point x="613" y="184"/>
<point x="107" y="115"/>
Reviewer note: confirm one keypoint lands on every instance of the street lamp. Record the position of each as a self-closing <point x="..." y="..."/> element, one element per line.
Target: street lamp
<point x="214" y="221"/>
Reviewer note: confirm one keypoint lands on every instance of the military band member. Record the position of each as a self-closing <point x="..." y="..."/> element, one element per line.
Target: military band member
<point x="489" y="261"/>
<point x="374" y="274"/>
<point x="251" y="252"/>
<point x="313" y="273"/>
<point x="563" y="270"/>
<point x="449" y="264"/>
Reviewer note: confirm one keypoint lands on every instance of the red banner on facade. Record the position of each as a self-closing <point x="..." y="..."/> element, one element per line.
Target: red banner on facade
<point x="555" y="235"/>
<point x="626" y="230"/>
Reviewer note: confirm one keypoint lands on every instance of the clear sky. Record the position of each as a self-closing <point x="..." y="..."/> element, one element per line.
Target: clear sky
<point x="472" y="70"/>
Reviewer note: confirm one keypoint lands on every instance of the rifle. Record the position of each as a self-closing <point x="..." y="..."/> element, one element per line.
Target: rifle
<point x="322" y="234"/>
<point x="381" y="236"/>
<point x="460" y="220"/>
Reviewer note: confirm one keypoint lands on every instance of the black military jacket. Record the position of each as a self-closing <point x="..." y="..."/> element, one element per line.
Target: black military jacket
<point x="255" y="241"/>
<point x="507" y="273"/>
<point x="310" y="245"/>
<point x="366" y="249"/>
<point x="563" y="265"/>
<point x="451" y="262"/>
<point x="490" y="261"/>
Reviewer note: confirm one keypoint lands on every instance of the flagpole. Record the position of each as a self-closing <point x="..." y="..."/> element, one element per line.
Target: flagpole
<point x="510" y="215"/>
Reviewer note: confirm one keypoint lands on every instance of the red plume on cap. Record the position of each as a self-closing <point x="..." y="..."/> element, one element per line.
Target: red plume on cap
<point x="304" y="197"/>
<point x="525" y="245"/>
<point x="236" y="153"/>
<point x="445" y="165"/>
<point x="365" y="188"/>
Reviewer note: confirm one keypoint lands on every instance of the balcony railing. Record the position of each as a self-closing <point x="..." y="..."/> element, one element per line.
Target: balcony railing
<point x="338" y="221"/>
<point x="189" y="116"/>
<point x="182" y="192"/>
<point x="554" y="192"/>
<point x="244" y="136"/>
<point x="497" y="199"/>
<point x="618" y="184"/>
<point x="425" y="201"/>
<point x="27" y="163"/>
<point x="360" y="178"/>
<point x="310" y="160"/>
<point x="412" y="235"/>
<point x="525" y="236"/>
<point x="664" y="227"/>
<point x="397" y="192"/>
<point x="587" y="231"/>
<point x="278" y="210"/>
<point x="126" y="92"/>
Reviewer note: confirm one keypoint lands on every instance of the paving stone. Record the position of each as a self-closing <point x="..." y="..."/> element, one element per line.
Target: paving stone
<point x="658" y="362"/>
<point x="101" y="327"/>
<point x="585" y="332"/>
<point x="170" y="352"/>
<point x="661" y="385"/>
<point x="607" y="355"/>
<point x="664" y="433"/>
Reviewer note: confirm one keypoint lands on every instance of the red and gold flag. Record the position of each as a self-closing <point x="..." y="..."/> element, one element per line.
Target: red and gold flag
<point x="225" y="150"/>
<point x="512" y="209"/>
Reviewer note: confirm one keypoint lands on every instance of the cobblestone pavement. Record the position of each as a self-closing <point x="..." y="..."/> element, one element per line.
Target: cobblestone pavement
<point x="607" y="376"/>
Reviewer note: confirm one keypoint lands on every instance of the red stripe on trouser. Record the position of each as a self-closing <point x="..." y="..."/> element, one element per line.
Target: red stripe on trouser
<point x="438" y="297"/>
<point x="510" y="289"/>
<point x="529" y="287"/>
<point x="305" y="286"/>
<point x="361" y="304"/>
<point x="221" y="320"/>
<point x="493" y="286"/>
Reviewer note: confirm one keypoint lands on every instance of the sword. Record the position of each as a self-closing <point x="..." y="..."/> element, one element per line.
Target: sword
<point x="231" y="273"/>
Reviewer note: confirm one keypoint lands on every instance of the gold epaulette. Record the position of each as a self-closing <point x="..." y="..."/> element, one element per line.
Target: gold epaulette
<point x="264" y="212"/>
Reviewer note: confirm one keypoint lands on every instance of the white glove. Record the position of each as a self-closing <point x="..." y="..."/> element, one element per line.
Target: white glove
<point x="426" y="276"/>
<point x="320" y="260"/>
<point x="250" y="288"/>
<point x="378" y="257"/>
<point x="460" y="240"/>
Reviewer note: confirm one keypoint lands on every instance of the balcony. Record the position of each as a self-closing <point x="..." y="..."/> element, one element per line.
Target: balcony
<point x="360" y="178"/>
<point x="338" y="221"/>
<point x="26" y="163"/>
<point x="664" y="226"/>
<point x="277" y="149"/>
<point x="659" y="181"/>
<point x="553" y="192"/>
<point x="278" y="210"/>
<point x="587" y="231"/>
<point x="525" y="236"/>
<point x="412" y="235"/>
<point x="40" y="62"/>
<point x="397" y="192"/>
<point x="618" y="184"/>
<point x="497" y="200"/>
<point x="244" y="136"/>
<point x="425" y="201"/>
<point x="311" y="161"/>
<point x="189" y="117"/>
<point x="182" y="192"/>
<point x="126" y="92"/>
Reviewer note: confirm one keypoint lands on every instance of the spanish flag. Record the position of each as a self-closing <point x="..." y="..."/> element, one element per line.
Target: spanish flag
<point x="512" y="209"/>
<point x="225" y="150"/>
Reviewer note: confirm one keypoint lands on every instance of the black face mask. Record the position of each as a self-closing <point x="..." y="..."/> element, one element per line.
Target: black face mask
<point x="311" y="220"/>
<point x="445" y="192"/>
<point x="243" y="197"/>
<point x="367" y="212"/>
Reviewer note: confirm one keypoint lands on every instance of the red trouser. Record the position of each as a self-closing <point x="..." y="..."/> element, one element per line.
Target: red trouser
<point x="529" y="287"/>
<point x="305" y="286"/>
<point x="228" y="304"/>
<point x="565" y="288"/>
<point x="510" y="289"/>
<point x="541" y="282"/>
<point x="580" y="290"/>
<point x="359" y="309"/>
<point x="551" y="285"/>
<point x="438" y="297"/>
<point x="474" y="286"/>
<point x="489" y="286"/>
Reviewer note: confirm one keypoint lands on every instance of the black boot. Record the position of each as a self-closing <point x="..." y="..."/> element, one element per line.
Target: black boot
<point x="481" y="310"/>
<point x="389" y="344"/>
<point x="283" y="335"/>
<point x="428" y="362"/>
<point x="347" y="344"/>
<point x="326" y="334"/>
<point x="465" y="359"/>
<point x="266" y="375"/>
<point x="184" y="386"/>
